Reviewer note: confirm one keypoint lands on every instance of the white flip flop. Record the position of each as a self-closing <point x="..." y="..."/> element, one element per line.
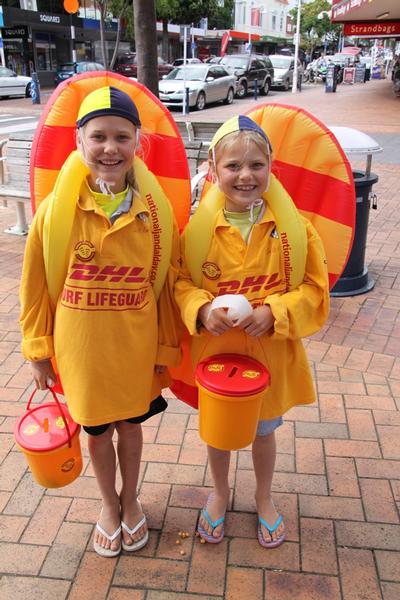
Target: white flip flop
<point x="107" y="552"/>
<point x="140" y="543"/>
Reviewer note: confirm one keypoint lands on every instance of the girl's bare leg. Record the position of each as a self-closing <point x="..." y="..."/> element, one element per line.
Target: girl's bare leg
<point x="129" y="448"/>
<point x="219" y="464"/>
<point x="102" y="455"/>
<point x="264" y="455"/>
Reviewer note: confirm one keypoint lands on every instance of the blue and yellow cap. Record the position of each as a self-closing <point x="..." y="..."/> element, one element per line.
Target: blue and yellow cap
<point x="108" y="100"/>
<point x="238" y="123"/>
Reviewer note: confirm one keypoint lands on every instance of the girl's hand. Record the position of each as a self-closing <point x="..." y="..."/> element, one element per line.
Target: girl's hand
<point x="259" y="322"/>
<point x="215" y="321"/>
<point x="159" y="369"/>
<point x="43" y="374"/>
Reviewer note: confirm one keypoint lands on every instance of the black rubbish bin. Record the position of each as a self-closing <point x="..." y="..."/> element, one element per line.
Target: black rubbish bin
<point x="355" y="278"/>
<point x="35" y="89"/>
<point x="331" y="78"/>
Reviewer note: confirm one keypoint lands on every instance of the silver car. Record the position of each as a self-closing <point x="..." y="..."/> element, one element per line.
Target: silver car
<point x="206" y="83"/>
<point x="12" y="84"/>
<point x="283" y="71"/>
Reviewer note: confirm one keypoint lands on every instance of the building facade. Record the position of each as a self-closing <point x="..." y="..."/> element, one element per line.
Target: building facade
<point x="268" y="19"/>
<point x="37" y="36"/>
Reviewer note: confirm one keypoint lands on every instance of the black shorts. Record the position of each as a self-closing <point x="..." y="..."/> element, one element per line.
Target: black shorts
<point x="156" y="406"/>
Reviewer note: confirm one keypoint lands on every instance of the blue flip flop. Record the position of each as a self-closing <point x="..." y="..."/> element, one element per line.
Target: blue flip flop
<point x="210" y="538"/>
<point x="271" y="528"/>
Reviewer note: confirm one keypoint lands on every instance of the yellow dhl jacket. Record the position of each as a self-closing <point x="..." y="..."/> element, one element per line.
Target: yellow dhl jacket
<point x="107" y="331"/>
<point x="256" y="270"/>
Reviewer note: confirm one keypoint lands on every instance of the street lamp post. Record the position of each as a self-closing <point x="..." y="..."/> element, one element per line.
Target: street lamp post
<point x="296" y="49"/>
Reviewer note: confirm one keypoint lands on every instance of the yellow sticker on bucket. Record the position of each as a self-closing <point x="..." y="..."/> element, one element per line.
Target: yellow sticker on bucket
<point x="215" y="368"/>
<point x="59" y="422"/>
<point x="31" y="429"/>
<point x="251" y="374"/>
<point x="68" y="465"/>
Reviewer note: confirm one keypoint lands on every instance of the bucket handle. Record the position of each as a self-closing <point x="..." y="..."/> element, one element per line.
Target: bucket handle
<point x="60" y="409"/>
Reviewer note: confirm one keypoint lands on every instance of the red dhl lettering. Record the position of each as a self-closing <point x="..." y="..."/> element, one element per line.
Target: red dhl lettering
<point x="90" y="299"/>
<point x="112" y="273"/>
<point x="249" y="285"/>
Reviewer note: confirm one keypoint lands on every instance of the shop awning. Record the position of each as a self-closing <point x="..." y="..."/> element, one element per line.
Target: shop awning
<point x="378" y="11"/>
<point x="351" y="50"/>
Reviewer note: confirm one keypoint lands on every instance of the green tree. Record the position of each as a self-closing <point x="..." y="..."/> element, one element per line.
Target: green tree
<point x="109" y="9"/>
<point x="315" y="24"/>
<point x="222" y="18"/>
<point x="166" y="11"/>
<point x="191" y="11"/>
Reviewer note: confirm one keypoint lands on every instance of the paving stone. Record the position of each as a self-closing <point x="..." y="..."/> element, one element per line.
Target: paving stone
<point x="302" y="586"/>
<point x="151" y="573"/>
<point x="65" y="554"/>
<point x="34" y="588"/>
<point x="342" y="477"/>
<point x="243" y="583"/>
<point x="358" y="574"/>
<point x="318" y="550"/>
<point x="93" y="578"/>
<point x="21" y="559"/>
<point x="388" y="565"/>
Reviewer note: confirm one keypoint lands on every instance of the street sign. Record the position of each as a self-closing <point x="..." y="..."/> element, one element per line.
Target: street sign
<point x="182" y="32"/>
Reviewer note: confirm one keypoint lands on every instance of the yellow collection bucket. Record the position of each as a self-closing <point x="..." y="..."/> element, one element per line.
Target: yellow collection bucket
<point x="49" y="439"/>
<point x="231" y="389"/>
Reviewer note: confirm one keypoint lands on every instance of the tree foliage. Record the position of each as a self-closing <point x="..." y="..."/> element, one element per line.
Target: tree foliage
<point x="222" y="18"/>
<point x="315" y="25"/>
<point x="109" y="9"/>
<point x="191" y="11"/>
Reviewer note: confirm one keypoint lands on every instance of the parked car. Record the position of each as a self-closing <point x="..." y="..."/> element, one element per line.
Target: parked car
<point x="126" y="65"/>
<point x="189" y="61"/>
<point x="248" y="69"/>
<point x="283" y="71"/>
<point x="67" y="70"/>
<point x="12" y="84"/>
<point x="206" y="83"/>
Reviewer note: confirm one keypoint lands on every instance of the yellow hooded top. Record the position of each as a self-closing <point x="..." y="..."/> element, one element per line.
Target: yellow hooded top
<point x="257" y="271"/>
<point x="104" y="332"/>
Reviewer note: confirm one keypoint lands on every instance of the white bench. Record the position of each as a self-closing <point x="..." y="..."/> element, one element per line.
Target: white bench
<point x="14" y="178"/>
<point x="197" y="131"/>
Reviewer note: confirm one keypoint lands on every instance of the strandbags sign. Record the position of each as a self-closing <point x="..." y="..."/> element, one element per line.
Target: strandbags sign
<point x="373" y="29"/>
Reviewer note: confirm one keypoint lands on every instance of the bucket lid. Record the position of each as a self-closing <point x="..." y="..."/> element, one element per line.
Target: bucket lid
<point x="42" y="428"/>
<point x="232" y="375"/>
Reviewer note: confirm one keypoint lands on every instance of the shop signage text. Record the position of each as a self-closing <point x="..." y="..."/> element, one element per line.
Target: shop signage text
<point x="15" y="32"/>
<point x="344" y="9"/>
<point x="49" y="19"/>
<point x="372" y="29"/>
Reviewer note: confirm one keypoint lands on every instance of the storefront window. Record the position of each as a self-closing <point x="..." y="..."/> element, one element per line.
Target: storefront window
<point x="46" y="52"/>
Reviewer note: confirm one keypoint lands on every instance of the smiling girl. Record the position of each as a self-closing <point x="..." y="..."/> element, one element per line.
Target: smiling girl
<point x="107" y="330"/>
<point x="246" y="256"/>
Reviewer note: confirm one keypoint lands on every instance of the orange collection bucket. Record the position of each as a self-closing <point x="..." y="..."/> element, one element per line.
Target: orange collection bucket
<point x="49" y="438"/>
<point x="231" y="389"/>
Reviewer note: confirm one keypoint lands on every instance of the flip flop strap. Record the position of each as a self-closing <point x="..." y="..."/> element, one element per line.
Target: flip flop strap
<point x="136" y="528"/>
<point x="213" y="524"/>
<point x="271" y="528"/>
<point x="112" y="537"/>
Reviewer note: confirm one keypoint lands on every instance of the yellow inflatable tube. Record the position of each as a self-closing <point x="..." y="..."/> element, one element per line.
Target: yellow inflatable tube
<point x="292" y="233"/>
<point x="60" y="217"/>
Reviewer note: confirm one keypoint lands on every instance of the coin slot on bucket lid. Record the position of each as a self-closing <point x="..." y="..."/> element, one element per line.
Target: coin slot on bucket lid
<point x="233" y="372"/>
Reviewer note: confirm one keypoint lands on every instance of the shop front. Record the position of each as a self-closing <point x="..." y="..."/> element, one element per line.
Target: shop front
<point x="40" y="42"/>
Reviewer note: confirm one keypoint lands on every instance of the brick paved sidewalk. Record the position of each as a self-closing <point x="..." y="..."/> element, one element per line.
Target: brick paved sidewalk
<point x="337" y="478"/>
